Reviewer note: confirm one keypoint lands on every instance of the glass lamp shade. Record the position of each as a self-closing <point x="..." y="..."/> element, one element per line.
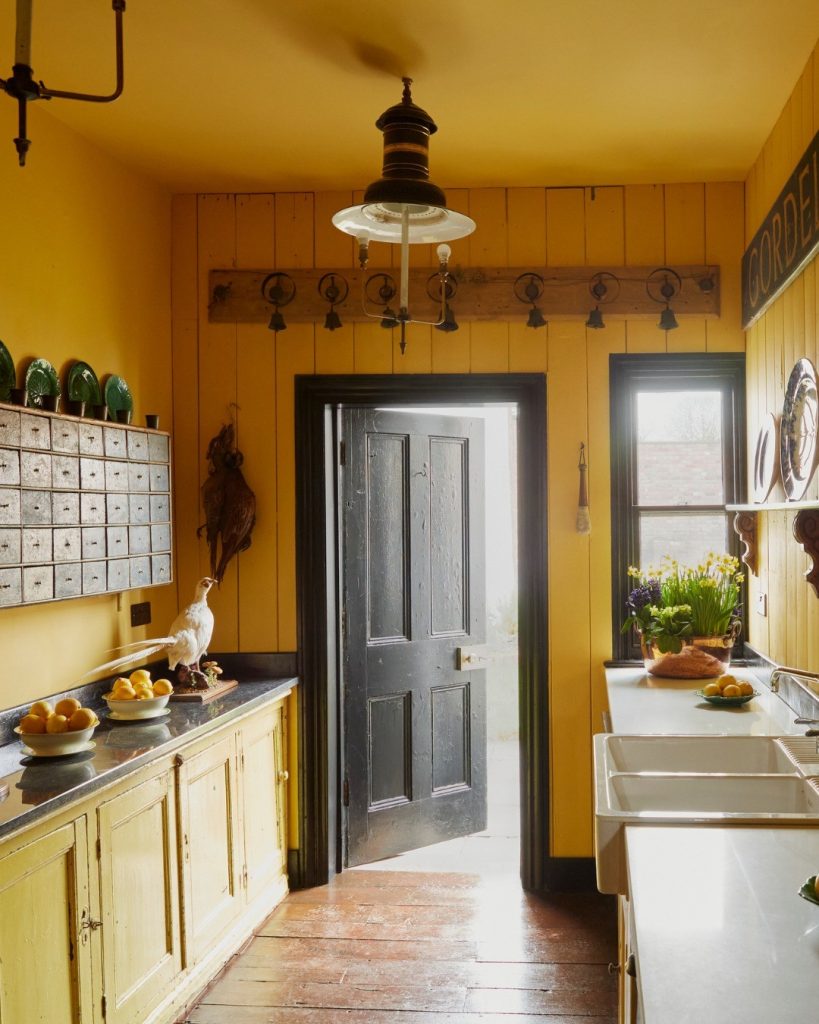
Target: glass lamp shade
<point x="381" y="222"/>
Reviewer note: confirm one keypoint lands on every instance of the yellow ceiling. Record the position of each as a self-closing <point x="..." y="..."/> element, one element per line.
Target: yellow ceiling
<point x="256" y="95"/>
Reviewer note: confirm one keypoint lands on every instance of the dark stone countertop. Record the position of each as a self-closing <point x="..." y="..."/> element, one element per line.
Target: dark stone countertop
<point x="38" y="786"/>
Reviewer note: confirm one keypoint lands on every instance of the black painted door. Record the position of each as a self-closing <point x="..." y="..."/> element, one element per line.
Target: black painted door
<point x="413" y="592"/>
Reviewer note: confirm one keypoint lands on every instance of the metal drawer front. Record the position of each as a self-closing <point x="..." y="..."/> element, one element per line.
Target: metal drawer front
<point x="160" y="508"/>
<point x="11" y="586"/>
<point x="140" y="511"/>
<point x="160" y="478"/>
<point x="93" y="542"/>
<point x="91" y="440"/>
<point x="36" y="508"/>
<point x="117" y="541"/>
<point x="9" y="507"/>
<point x="139" y="540"/>
<point x="10" y="546"/>
<point x="68" y="580"/>
<point x="160" y="568"/>
<point x="140" y="572"/>
<point x="138" y="476"/>
<point x="66" y="509"/>
<point x="9" y="467"/>
<point x="67" y="544"/>
<point x="38" y="583"/>
<point x="137" y="445"/>
<point x="115" y="444"/>
<point x="161" y="537"/>
<point x="35" y="469"/>
<point x="119" y="574"/>
<point x="9" y="427"/>
<point x="93" y="577"/>
<point x="92" y="474"/>
<point x="116" y="476"/>
<point x="117" y="506"/>
<point x="65" y="472"/>
<point x="65" y="436"/>
<point x="36" y="545"/>
<point x="35" y="431"/>
<point x="92" y="509"/>
<point x="157" y="448"/>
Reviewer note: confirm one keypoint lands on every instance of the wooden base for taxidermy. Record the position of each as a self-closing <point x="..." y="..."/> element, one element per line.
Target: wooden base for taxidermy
<point x="189" y="693"/>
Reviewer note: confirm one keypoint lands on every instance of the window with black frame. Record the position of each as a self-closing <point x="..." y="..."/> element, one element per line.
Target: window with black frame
<point x="678" y="458"/>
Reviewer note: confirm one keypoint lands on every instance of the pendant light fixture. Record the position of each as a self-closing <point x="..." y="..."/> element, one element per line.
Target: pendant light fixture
<point x="23" y="87"/>
<point x="404" y="207"/>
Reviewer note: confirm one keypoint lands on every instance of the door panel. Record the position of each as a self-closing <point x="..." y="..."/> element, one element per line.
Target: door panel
<point x="413" y="591"/>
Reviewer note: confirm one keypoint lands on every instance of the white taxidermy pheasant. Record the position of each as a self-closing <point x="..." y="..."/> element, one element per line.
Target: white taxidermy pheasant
<point x="186" y="642"/>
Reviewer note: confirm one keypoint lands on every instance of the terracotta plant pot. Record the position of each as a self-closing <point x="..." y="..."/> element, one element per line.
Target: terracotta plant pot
<point x="701" y="657"/>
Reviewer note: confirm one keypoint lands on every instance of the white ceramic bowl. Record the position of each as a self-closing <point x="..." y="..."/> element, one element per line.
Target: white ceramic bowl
<point x="134" y="709"/>
<point x="56" y="744"/>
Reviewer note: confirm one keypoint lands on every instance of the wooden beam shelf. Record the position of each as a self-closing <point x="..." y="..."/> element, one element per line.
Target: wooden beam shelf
<point x="482" y="293"/>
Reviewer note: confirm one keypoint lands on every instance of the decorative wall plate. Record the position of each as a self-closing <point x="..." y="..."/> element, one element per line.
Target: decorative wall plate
<point x="766" y="458"/>
<point x="8" y="378"/>
<point x="82" y="385"/>
<point x="41" y="380"/>
<point x="117" y="395"/>
<point x="797" y="430"/>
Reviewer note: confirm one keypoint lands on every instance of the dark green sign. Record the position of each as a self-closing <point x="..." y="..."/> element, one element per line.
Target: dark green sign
<point x="786" y="241"/>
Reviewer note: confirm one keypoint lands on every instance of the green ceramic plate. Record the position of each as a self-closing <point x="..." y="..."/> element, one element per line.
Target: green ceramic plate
<point x="83" y="385"/>
<point x="41" y="380"/>
<point x="8" y="378"/>
<point x="117" y="395"/>
<point x="808" y="891"/>
<point x="728" y="702"/>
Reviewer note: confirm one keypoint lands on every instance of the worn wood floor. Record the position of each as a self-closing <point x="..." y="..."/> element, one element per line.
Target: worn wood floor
<point x="377" y="947"/>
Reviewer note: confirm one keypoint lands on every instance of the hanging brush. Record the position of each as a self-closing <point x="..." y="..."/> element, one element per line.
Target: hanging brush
<point x="583" y="518"/>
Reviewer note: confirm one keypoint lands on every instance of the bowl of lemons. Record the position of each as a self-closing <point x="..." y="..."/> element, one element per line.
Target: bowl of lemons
<point x="137" y="697"/>
<point x="727" y="691"/>
<point x="66" y="728"/>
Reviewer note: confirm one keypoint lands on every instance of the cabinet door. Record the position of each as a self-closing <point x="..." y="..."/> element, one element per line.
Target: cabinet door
<point x="263" y="803"/>
<point x="45" y="958"/>
<point x="139" y="899"/>
<point x="211" y="868"/>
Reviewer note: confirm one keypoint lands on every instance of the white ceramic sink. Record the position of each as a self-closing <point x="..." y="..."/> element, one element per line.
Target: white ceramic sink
<point x="694" y="754"/>
<point x="693" y="780"/>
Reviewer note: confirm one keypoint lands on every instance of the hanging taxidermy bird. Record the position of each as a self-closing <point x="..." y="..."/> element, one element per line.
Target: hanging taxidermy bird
<point x="230" y="505"/>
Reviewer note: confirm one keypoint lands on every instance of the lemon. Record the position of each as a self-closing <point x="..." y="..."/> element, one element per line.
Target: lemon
<point x="163" y="687"/>
<point x="124" y="693"/>
<point x="746" y="689"/>
<point x="41" y="708"/>
<point x="67" y="706"/>
<point x="727" y="680"/>
<point x="731" y="690"/>
<point x="119" y="683"/>
<point x="57" y="723"/>
<point x="32" y="723"/>
<point x="711" y="690"/>
<point x="83" y="718"/>
<point x="141" y="675"/>
<point x="816" y="885"/>
<point x="144" y="693"/>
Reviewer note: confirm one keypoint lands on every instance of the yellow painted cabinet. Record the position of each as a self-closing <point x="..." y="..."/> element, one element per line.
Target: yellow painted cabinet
<point x="45" y="953"/>
<point x="139" y="899"/>
<point x="211" y="868"/>
<point x="264" y="801"/>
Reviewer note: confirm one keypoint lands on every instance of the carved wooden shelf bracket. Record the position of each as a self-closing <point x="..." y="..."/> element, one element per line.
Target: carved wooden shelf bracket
<point x="745" y="527"/>
<point x="806" y="531"/>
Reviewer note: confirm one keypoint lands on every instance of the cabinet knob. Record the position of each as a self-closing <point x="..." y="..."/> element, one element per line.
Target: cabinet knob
<point x="284" y="776"/>
<point x="614" y="968"/>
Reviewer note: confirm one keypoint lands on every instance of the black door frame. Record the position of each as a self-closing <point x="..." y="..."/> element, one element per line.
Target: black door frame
<point x="315" y="398"/>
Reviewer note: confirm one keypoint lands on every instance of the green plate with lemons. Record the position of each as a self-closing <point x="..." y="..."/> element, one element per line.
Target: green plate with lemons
<point x="727" y="702"/>
<point x="808" y="891"/>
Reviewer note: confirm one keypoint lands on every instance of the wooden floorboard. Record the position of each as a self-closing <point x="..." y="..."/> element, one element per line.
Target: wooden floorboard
<point x="381" y="947"/>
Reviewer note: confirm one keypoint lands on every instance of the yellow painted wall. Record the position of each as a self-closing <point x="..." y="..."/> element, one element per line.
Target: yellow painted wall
<point x="786" y="332"/>
<point x="216" y="365"/>
<point x="84" y="274"/>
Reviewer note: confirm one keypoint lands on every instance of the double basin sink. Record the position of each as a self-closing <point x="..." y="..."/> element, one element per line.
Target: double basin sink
<point x="697" y="780"/>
